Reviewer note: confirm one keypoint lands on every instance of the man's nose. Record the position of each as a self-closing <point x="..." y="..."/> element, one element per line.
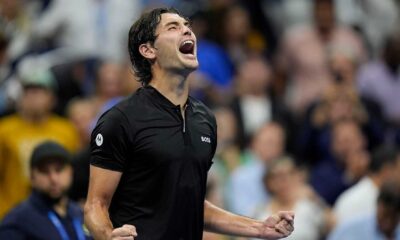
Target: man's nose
<point x="53" y="176"/>
<point x="187" y="30"/>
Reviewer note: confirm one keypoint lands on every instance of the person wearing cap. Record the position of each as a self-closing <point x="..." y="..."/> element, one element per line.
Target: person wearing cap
<point x="47" y="213"/>
<point x="32" y="123"/>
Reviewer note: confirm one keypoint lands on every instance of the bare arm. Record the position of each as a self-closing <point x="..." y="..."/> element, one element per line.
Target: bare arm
<point x="102" y="185"/>
<point x="220" y="221"/>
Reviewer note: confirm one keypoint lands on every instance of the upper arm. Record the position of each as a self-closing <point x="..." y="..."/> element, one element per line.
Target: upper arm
<point x="102" y="185"/>
<point x="109" y="151"/>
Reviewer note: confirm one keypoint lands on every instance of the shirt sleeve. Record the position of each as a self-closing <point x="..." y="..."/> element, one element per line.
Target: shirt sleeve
<point x="110" y="141"/>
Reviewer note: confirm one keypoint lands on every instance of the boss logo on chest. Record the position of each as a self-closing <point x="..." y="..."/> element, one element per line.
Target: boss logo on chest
<point x="205" y="139"/>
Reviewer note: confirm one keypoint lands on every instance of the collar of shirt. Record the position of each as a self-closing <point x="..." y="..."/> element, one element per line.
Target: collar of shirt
<point x="160" y="99"/>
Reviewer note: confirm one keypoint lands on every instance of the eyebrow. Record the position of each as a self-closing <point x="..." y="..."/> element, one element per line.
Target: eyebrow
<point x="176" y="23"/>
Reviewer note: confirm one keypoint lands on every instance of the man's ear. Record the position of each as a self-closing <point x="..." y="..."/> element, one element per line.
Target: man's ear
<point x="147" y="51"/>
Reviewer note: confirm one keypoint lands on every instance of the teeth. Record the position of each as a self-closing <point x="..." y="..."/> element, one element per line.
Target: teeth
<point x="188" y="42"/>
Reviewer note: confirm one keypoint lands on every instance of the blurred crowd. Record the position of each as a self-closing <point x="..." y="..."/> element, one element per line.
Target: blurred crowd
<point x="305" y="93"/>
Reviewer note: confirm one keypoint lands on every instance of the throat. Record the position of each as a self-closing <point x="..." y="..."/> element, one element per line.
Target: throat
<point x="61" y="207"/>
<point x="174" y="87"/>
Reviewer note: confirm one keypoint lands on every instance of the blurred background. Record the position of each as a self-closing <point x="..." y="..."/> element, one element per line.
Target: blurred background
<point x="305" y="92"/>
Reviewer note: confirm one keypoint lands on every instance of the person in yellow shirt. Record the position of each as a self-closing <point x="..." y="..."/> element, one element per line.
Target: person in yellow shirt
<point x="32" y="124"/>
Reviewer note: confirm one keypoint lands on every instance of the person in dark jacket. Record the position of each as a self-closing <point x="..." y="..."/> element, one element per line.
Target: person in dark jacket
<point x="47" y="213"/>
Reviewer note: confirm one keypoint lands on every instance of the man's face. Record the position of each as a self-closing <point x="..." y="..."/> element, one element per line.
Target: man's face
<point x="36" y="101"/>
<point x="269" y="143"/>
<point x="52" y="179"/>
<point x="175" y="44"/>
<point x="109" y="80"/>
<point x="347" y="138"/>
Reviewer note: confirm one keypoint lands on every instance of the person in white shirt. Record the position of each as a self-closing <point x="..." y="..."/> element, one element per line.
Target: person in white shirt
<point x="361" y="198"/>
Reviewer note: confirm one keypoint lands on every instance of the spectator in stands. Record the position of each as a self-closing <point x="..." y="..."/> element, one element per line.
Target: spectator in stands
<point x="303" y="56"/>
<point x="254" y="103"/>
<point x="330" y="177"/>
<point x="361" y="198"/>
<point x="343" y="66"/>
<point x="246" y="190"/>
<point x="47" y="213"/>
<point x="81" y="112"/>
<point x="382" y="224"/>
<point x="108" y="89"/>
<point x="21" y="132"/>
<point x="338" y="103"/>
<point x="288" y="189"/>
<point x="109" y="83"/>
<point x="380" y="81"/>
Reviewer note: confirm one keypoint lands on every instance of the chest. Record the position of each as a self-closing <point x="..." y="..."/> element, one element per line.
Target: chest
<point x="173" y="140"/>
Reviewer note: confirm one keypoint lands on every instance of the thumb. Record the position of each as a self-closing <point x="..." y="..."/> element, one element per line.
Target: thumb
<point x="131" y="229"/>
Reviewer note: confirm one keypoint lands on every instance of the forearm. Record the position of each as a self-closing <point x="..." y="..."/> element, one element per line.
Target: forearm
<point x="220" y="221"/>
<point x="97" y="220"/>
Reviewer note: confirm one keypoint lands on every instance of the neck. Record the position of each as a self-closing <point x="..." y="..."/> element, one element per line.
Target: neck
<point x="61" y="206"/>
<point x="174" y="86"/>
<point x="34" y="118"/>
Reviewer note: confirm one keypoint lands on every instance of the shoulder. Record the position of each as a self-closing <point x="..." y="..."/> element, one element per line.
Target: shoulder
<point x="9" y="122"/>
<point x="350" y="193"/>
<point x="115" y="113"/>
<point x="362" y="194"/>
<point x="130" y="108"/>
<point x="111" y="124"/>
<point x="18" y="215"/>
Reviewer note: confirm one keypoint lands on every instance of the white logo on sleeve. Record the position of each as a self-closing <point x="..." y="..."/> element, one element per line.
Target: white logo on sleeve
<point x="99" y="140"/>
<point x="205" y="139"/>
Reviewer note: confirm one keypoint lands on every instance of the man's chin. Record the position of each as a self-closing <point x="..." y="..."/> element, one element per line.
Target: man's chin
<point x="190" y="61"/>
<point x="192" y="65"/>
<point x="51" y="198"/>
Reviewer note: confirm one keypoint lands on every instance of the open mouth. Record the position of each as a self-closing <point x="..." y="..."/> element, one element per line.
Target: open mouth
<point x="187" y="47"/>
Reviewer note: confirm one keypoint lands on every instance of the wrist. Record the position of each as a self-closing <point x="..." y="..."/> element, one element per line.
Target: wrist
<point x="257" y="229"/>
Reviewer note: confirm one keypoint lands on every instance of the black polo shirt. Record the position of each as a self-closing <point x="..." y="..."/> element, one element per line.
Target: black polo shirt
<point x="164" y="160"/>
